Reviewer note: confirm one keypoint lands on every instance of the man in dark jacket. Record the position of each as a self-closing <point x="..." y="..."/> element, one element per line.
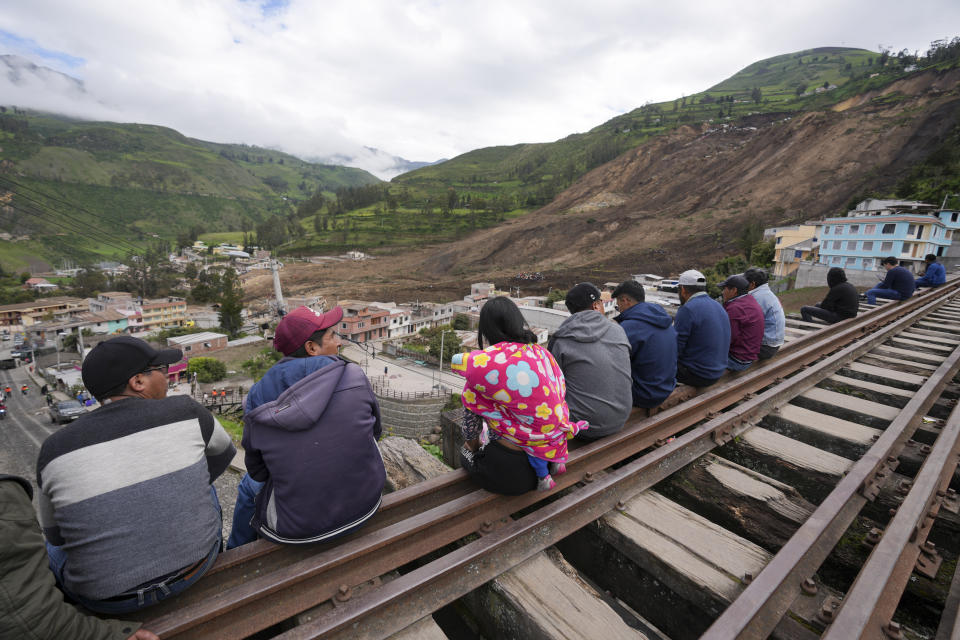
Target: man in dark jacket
<point x="594" y="355"/>
<point x="653" y="345"/>
<point x="703" y="333"/>
<point x="746" y="323"/>
<point x="841" y="301"/>
<point x="31" y="606"/>
<point x="898" y="285"/>
<point x="310" y="435"/>
<point x="934" y="275"/>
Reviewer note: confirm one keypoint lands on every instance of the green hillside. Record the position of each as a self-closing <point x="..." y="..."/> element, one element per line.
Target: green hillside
<point x="77" y="184"/>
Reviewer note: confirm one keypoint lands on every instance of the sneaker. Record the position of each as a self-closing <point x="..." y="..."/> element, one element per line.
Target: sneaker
<point x="546" y="483"/>
<point x="467" y="454"/>
<point x="557" y="468"/>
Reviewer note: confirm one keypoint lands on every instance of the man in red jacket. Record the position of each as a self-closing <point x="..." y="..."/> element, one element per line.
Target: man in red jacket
<point x="746" y="323"/>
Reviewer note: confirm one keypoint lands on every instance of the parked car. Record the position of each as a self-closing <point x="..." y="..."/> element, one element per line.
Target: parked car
<point x="66" y="411"/>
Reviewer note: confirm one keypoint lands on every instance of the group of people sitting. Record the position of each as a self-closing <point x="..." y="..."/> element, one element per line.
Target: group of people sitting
<point x="523" y="401"/>
<point x="127" y="505"/>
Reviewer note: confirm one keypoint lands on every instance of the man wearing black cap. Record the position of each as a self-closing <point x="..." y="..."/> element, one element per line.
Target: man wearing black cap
<point x="126" y="498"/>
<point x="746" y="323"/>
<point x="594" y="355"/>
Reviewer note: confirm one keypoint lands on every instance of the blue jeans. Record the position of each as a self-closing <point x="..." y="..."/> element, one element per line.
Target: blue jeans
<point x="541" y="467"/>
<point x="736" y="365"/>
<point x="138" y="598"/>
<point x="880" y="292"/>
<point x="242" y="532"/>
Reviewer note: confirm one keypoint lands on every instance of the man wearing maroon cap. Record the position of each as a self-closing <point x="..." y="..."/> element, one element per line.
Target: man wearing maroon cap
<point x="310" y="431"/>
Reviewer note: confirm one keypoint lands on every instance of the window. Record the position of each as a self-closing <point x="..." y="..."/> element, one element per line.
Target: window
<point x="948" y="234"/>
<point x="851" y="245"/>
<point x="870" y="229"/>
<point x="911" y="229"/>
<point x="953" y="216"/>
<point x="835" y="260"/>
<point x="889" y="229"/>
<point x="854" y="228"/>
<point x="850" y="262"/>
<point x="827" y="230"/>
<point x="869" y="264"/>
<point x="360" y="324"/>
<point x="779" y="238"/>
<point x="886" y="247"/>
<point x="187" y="348"/>
<point x="343" y="326"/>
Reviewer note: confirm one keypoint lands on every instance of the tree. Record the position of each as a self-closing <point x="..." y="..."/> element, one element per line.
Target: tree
<point x="800" y="89"/>
<point x="231" y="303"/>
<point x="451" y="344"/>
<point x="762" y="253"/>
<point x="207" y="369"/>
<point x="751" y="234"/>
<point x="89" y="282"/>
<point x="756" y="95"/>
<point x="460" y="322"/>
<point x="555" y="295"/>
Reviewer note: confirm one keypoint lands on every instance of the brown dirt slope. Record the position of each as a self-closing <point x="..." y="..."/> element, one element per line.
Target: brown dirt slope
<point x="677" y="202"/>
<point x="680" y="200"/>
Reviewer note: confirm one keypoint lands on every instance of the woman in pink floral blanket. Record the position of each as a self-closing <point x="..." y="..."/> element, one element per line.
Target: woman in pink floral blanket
<point x="515" y="387"/>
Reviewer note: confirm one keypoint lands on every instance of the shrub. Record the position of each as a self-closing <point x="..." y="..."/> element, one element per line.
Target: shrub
<point x="261" y="362"/>
<point x="207" y="369"/>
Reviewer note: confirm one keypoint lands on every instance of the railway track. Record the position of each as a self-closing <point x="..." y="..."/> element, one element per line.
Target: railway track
<point x="735" y="513"/>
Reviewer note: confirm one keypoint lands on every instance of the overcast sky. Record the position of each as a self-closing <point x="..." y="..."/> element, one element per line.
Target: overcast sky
<point x="419" y="79"/>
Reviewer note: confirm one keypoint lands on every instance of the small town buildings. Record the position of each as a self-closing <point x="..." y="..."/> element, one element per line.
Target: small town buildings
<point x="161" y="314"/>
<point x="25" y="314"/>
<point x="193" y="344"/>
<point x="110" y="300"/>
<point x="362" y="322"/>
<point x="791" y="245"/>
<point x="39" y="284"/>
<point x="484" y="289"/>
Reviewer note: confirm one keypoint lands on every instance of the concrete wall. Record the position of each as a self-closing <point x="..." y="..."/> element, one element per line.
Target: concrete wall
<point x="548" y="319"/>
<point x="815" y="275"/>
<point x="413" y="418"/>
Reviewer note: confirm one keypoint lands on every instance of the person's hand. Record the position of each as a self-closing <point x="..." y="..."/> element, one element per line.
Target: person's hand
<point x="143" y="634"/>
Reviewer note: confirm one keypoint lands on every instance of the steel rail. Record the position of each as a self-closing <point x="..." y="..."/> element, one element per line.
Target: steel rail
<point x="392" y="607"/>
<point x="868" y="606"/>
<point x="289" y="580"/>
<point x="763" y="603"/>
<point x="284" y="581"/>
<point x="263" y="556"/>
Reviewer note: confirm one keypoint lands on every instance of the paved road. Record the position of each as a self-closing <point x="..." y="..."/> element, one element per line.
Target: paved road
<point x="25" y="428"/>
<point x="403" y="375"/>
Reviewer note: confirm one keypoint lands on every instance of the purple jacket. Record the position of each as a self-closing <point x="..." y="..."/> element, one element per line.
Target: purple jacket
<point x="315" y="445"/>
<point x="746" y="327"/>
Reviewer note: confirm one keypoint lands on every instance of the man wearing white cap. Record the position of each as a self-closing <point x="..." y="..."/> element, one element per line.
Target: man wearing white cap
<point x="703" y="333"/>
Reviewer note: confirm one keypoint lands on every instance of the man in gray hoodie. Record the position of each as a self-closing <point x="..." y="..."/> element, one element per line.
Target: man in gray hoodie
<point x="594" y="355"/>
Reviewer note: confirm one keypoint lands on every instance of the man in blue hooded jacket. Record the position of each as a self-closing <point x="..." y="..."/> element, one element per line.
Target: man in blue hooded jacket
<point x="653" y="345"/>
<point x="310" y="433"/>
<point x="934" y="275"/>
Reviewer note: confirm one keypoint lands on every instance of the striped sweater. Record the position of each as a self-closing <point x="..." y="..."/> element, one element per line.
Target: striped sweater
<point x="125" y="491"/>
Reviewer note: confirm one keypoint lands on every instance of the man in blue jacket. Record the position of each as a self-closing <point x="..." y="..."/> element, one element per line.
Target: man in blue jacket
<point x="653" y="345"/>
<point x="935" y="275"/>
<point x="774" y="321"/>
<point x="703" y="333"/>
<point x="310" y="435"/>
<point x="898" y="285"/>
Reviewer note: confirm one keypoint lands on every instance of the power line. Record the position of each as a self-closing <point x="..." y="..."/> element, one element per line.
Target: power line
<point x="130" y="246"/>
<point x="38" y="212"/>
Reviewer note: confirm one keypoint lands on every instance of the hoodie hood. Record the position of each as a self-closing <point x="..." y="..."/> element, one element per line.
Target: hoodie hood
<point x="293" y="411"/>
<point x="652" y="314"/>
<point x="835" y="276"/>
<point x="584" y="326"/>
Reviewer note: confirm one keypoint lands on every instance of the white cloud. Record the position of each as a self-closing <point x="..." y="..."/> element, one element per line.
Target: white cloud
<point x="421" y="79"/>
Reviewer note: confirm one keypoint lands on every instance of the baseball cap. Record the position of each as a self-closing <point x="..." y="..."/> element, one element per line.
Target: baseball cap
<point x="297" y="326"/>
<point x="737" y="282"/>
<point x="691" y="278"/>
<point x="581" y="297"/>
<point x="112" y="362"/>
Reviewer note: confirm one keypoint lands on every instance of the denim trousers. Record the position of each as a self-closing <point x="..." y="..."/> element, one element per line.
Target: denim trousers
<point x="880" y="292"/>
<point x="736" y="365"/>
<point x="241" y="531"/>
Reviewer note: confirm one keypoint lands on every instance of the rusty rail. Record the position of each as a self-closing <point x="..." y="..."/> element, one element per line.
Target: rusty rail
<point x="283" y="581"/>
<point x="404" y="600"/>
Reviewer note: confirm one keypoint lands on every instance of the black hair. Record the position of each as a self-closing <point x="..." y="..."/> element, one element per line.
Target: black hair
<point x="501" y="321"/>
<point x="693" y="288"/>
<point x="930" y="257"/>
<point x="316" y="336"/>
<point x="890" y="260"/>
<point x="757" y="276"/>
<point x="631" y="289"/>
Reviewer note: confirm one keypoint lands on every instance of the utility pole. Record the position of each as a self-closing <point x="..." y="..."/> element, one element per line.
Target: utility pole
<point x="277" y="292"/>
